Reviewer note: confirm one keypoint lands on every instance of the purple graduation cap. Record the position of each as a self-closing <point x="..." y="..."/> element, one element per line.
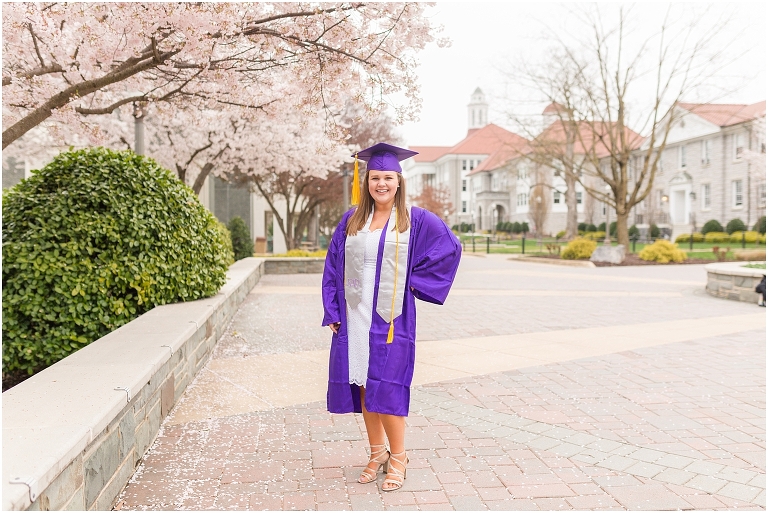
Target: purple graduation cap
<point x="384" y="157"/>
<point x="380" y="157"/>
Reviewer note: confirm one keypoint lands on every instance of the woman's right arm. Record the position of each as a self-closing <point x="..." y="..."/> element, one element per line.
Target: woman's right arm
<point x="331" y="273"/>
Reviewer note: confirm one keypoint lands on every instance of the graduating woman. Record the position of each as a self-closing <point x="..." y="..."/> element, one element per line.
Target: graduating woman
<point x="382" y="257"/>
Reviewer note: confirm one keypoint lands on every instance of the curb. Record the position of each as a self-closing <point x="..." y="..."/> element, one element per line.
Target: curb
<point x="554" y="261"/>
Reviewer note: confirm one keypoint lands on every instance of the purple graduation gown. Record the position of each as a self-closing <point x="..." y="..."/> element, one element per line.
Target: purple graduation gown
<point x="433" y="258"/>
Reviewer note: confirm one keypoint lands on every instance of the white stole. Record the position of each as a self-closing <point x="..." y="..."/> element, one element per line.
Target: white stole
<point x="354" y="257"/>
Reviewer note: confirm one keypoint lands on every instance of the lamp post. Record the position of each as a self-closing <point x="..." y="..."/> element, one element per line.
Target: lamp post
<point x="693" y="220"/>
<point x="607" y="240"/>
<point x="138" y="127"/>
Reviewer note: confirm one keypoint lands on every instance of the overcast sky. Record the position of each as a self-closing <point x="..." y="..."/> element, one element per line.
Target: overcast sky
<point x="486" y="37"/>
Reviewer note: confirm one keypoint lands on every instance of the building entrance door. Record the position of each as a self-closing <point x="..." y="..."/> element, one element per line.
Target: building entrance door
<point x="678" y="207"/>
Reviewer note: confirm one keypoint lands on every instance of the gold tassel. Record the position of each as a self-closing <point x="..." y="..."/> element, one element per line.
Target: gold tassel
<point x="391" y="334"/>
<point x="356" y="184"/>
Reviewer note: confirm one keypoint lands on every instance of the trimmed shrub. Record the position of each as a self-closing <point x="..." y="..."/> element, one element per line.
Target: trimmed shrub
<point x="662" y="251"/>
<point x="613" y="228"/>
<point x="524" y="228"/>
<point x="560" y="234"/>
<point x="516" y="228"/>
<point x="760" y="225"/>
<point x="594" y="235"/>
<point x="686" y="237"/>
<point x="591" y="228"/>
<point x="711" y="226"/>
<point x="226" y="239"/>
<point x="578" y="249"/>
<point x="634" y="231"/>
<point x="601" y="227"/>
<point x="93" y="240"/>
<point x="582" y="227"/>
<point x="717" y="237"/>
<point x="735" y="225"/>
<point x="654" y="231"/>
<point x="749" y="237"/>
<point x="242" y="245"/>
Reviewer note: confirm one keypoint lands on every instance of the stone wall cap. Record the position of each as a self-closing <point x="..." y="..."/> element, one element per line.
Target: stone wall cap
<point x="734" y="269"/>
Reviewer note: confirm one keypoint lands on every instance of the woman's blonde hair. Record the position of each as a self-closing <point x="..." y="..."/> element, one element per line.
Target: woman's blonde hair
<point x="357" y="220"/>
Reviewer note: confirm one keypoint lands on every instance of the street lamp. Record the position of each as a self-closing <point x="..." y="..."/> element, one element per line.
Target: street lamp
<point x="138" y="127"/>
<point x="607" y="240"/>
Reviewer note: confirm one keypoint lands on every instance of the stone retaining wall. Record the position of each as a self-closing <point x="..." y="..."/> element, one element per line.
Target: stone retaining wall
<point x="74" y="433"/>
<point x="294" y="265"/>
<point x="733" y="281"/>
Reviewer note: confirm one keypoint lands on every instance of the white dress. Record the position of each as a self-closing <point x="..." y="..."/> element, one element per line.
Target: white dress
<point x="359" y="318"/>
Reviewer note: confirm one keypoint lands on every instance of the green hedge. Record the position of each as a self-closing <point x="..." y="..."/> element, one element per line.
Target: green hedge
<point x="760" y="225"/>
<point x="712" y="226"/>
<point x="242" y="244"/>
<point x="735" y="225"/>
<point x="93" y="240"/>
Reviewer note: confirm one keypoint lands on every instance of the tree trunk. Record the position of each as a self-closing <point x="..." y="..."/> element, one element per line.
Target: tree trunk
<point x="622" y="233"/>
<point x="200" y="180"/>
<point x="571" y="219"/>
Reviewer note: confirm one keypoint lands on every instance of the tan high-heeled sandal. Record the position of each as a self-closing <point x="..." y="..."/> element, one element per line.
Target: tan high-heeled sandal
<point x="377" y="452"/>
<point x="399" y="478"/>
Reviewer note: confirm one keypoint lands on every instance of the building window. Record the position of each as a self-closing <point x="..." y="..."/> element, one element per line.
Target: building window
<point x="738" y="196"/>
<point x="463" y="165"/>
<point x="706" y="198"/>
<point x="605" y="205"/>
<point x="464" y="185"/>
<point x="578" y="197"/>
<point x="761" y="194"/>
<point x="463" y="207"/>
<point x="681" y="156"/>
<point x="738" y="146"/>
<point x="705" y="152"/>
<point x="556" y="197"/>
<point x="660" y="163"/>
<point x="522" y="199"/>
<point x="471" y="165"/>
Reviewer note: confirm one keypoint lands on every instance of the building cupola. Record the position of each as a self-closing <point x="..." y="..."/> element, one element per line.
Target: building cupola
<point x="477" y="111"/>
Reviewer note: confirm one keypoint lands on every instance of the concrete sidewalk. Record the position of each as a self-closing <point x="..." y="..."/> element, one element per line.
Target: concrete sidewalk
<point x="536" y="388"/>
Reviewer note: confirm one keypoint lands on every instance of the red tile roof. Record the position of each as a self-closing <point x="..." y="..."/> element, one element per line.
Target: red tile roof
<point x="492" y="140"/>
<point x="725" y="114"/>
<point x="554" y="134"/>
<point x="553" y="108"/>
<point x="487" y="140"/>
<point x="429" y="153"/>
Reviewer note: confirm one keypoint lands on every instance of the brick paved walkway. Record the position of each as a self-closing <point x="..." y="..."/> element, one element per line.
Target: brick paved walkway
<point x="675" y="422"/>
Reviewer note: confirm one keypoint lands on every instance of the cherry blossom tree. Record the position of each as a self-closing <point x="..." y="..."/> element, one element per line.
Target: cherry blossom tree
<point x="287" y="159"/>
<point x="435" y="199"/>
<point x="63" y="61"/>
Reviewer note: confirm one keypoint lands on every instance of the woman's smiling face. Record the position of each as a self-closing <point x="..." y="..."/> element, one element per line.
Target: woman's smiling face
<point x="382" y="185"/>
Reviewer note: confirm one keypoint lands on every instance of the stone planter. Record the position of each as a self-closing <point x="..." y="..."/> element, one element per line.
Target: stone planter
<point x="730" y="280"/>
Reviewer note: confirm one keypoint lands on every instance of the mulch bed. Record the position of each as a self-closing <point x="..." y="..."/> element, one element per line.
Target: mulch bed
<point x="11" y="379"/>
<point x="632" y="259"/>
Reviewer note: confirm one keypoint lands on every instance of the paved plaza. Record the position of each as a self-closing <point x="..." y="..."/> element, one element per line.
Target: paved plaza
<point x="537" y="387"/>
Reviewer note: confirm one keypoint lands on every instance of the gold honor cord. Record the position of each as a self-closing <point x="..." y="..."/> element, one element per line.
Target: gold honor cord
<point x="391" y="334"/>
